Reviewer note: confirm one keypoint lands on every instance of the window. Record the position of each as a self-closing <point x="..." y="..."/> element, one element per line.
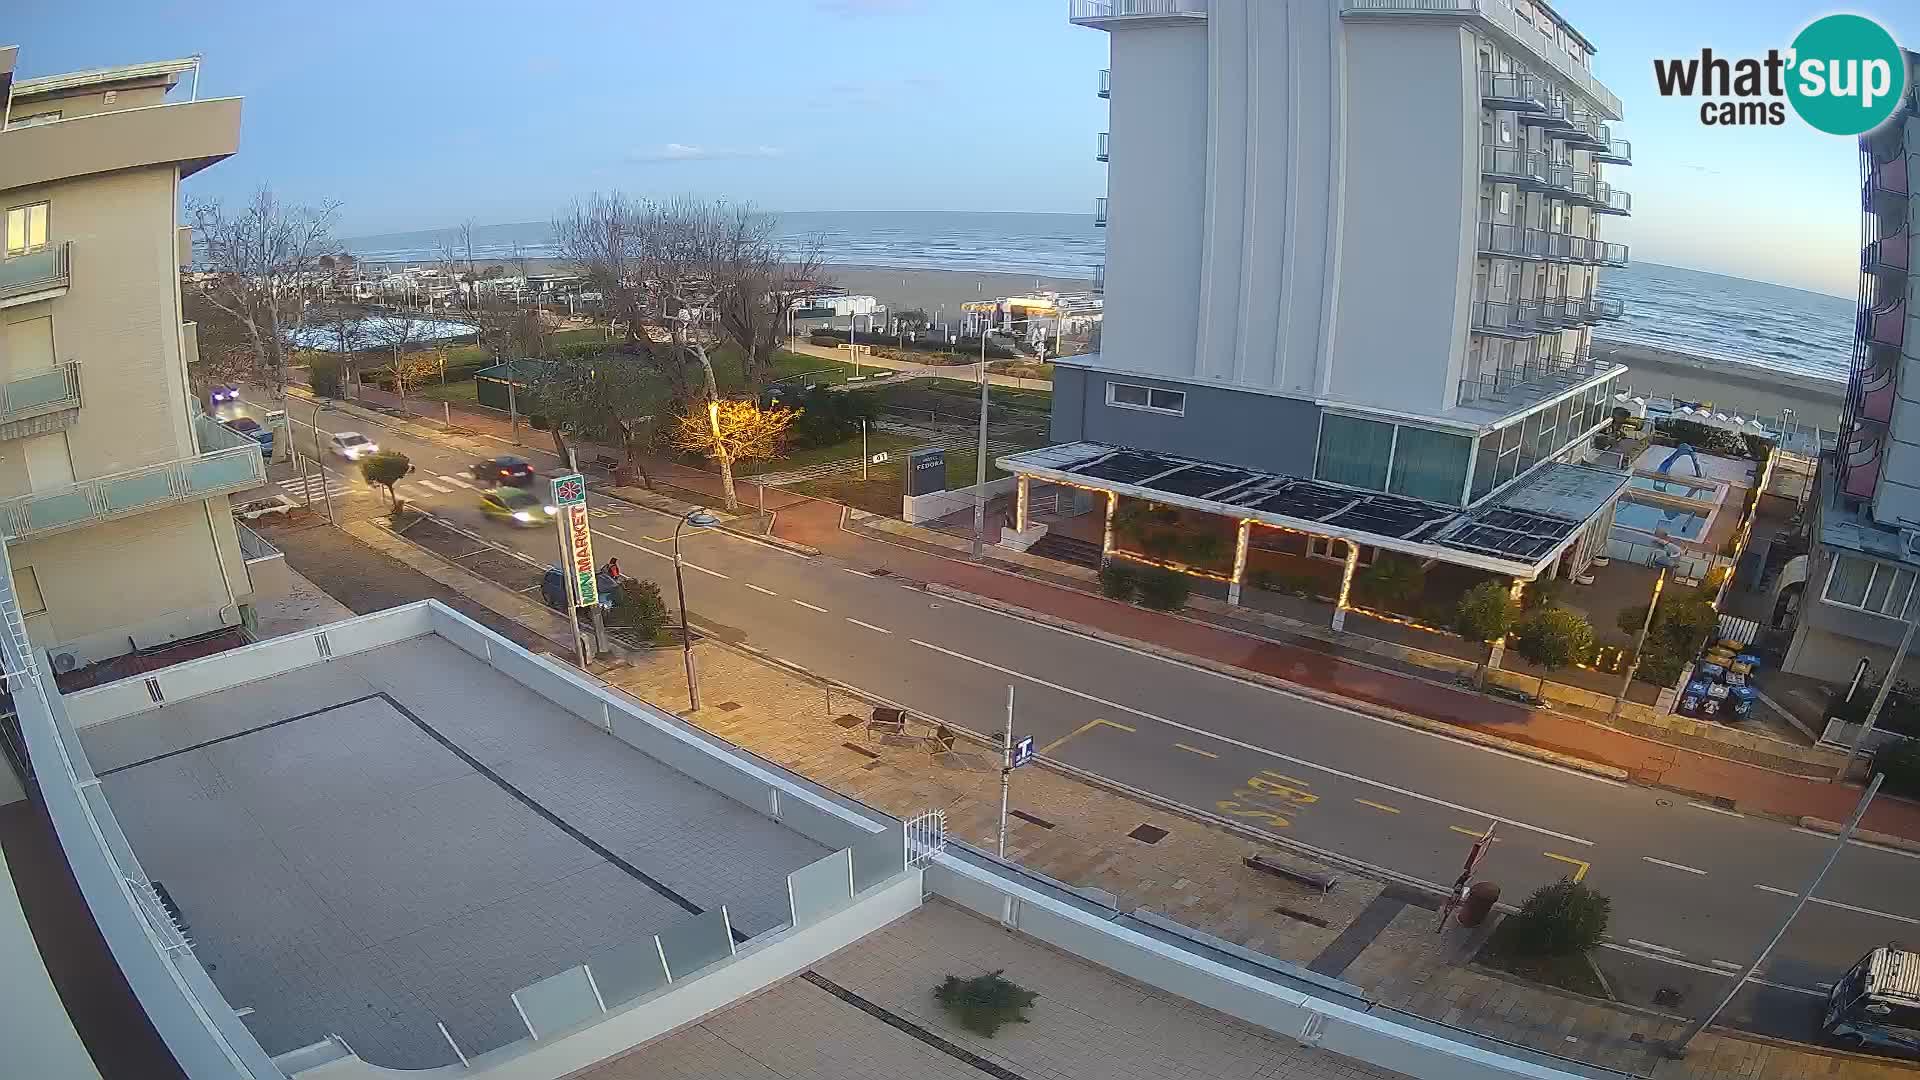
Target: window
<point x="1430" y="465"/>
<point x="26" y="588"/>
<point x="1150" y="398"/>
<point x="33" y="119"/>
<point x="1354" y="452"/>
<point x="1506" y="202"/>
<point x="1873" y="587"/>
<point x="1506" y="133"/>
<point x="1332" y="550"/>
<point x="26" y="228"/>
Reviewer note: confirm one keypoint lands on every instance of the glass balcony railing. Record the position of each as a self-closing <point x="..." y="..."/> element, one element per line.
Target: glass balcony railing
<point x="1103" y="83"/>
<point x="1611" y="200"/>
<point x="134" y="491"/>
<point x="1513" y="166"/>
<point x="1100" y="212"/>
<point x="1610" y="254"/>
<point x="1616" y="152"/>
<point x="1100" y="279"/>
<point x="1584" y="131"/>
<point x="1520" y="319"/>
<point x="1515" y="242"/>
<point x="1606" y="309"/>
<point x="33" y="272"/>
<point x="1100" y="152"/>
<point x="1512" y="90"/>
<point x="36" y="395"/>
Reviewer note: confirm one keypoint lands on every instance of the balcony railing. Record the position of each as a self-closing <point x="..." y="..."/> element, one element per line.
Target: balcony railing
<point x="1103" y="83"/>
<point x="1610" y="254"/>
<point x="1513" y="166"/>
<point x="33" y="272"/>
<point x="1512" y="90"/>
<point x="1531" y="380"/>
<point x="1606" y="309"/>
<point x="50" y="391"/>
<point x="1100" y="212"/>
<point x="1512" y="241"/>
<point x="1100" y="13"/>
<point x="1611" y="200"/>
<point x="1556" y="116"/>
<point x="253" y="546"/>
<point x="1887" y="255"/>
<point x="134" y="491"/>
<point x="1100" y="279"/>
<point x="1508" y="319"/>
<point x="1100" y="153"/>
<point x="1500" y="15"/>
<point x="1585" y="131"/>
<point x="1617" y="152"/>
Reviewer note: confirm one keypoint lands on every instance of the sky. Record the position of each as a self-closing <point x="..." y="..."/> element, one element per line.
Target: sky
<point x="418" y="114"/>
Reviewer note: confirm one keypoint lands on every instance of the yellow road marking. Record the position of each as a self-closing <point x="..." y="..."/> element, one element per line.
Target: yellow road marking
<point x="1194" y="750"/>
<point x="1382" y="807"/>
<point x="1284" y="776"/>
<point x="1475" y="833"/>
<point x="1581" y="868"/>
<point x="1295" y="795"/>
<point x="1081" y="730"/>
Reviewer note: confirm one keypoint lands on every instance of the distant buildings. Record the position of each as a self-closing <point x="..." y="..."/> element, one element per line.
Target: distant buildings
<point x="113" y="490"/>
<point x="1857" y="581"/>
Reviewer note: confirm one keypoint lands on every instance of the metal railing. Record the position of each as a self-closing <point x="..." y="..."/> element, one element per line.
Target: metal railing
<point x="1612" y="200"/>
<point x="253" y="546"/>
<point x="1618" y="152"/>
<point x="1100" y="153"/>
<point x="1513" y="86"/>
<point x="1502" y="16"/>
<point x="102" y="498"/>
<point x="1102" y="92"/>
<point x="34" y="271"/>
<point x="1606" y="309"/>
<point x="1532" y="377"/>
<point x="1587" y="130"/>
<point x="1610" y="254"/>
<point x="1100" y="212"/>
<point x="50" y="391"/>
<point x="1515" y="165"/>
<point x="1100" y="278"/>
<point x="1081" y="10"/>
<point x="1513" y="319"/>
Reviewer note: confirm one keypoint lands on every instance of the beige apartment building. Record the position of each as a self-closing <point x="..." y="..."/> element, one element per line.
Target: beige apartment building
<point x="113" y="488"/>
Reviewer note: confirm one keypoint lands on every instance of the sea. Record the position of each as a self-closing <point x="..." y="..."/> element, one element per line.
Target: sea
<point x="1735" y="320"/>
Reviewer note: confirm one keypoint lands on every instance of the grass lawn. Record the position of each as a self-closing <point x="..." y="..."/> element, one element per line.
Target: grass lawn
<point x="460" y="392"/>
<point x="880" y="493"/>
<point x="1040" y="401"/>
<point x="1573" y="973"/>
<point x="877" y="442"/>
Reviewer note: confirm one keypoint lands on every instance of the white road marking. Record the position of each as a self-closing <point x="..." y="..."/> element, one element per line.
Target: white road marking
<point x="1255" y="749"/>
<point x="811" y="607"/>
<point x="1841" y="906"/>
<point x="702" y="569"/>
<point x="1655" y="948"/>
<point x="1308" y="699"/>
<point x="870" y="626"/>
<point x="1691" y="966"/>
<point x="1716" y="809"/>
<point x="615" y="528"/>
<point x="431" y="486"/>
<point x="758" y="589"/>
<point x="456" y="481"/>
<point x="1828" y="837"/>
<point x="855" y="573"/>
<point x="1728" y="964"/>
<point x="1672" y="865"/>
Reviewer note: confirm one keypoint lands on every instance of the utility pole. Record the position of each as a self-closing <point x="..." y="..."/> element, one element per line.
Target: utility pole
<point x="1639" y="646"/>
<point x="1886" y="687"/>
<point x="513" y="406"/>
<point x="863" y="460"/>
<point x="980" y="465"/>
<point x="1678" y="1047"/>
<point x="1006" y="771"/>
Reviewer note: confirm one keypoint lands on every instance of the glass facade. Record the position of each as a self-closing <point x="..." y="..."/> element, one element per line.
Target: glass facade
<point x="1506" y="452"/>
<point x="1354" y="452"/>
<point x="1430" y="465"/>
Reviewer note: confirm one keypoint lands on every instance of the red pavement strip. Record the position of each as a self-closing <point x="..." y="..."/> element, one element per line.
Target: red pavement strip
<point x="816" y="523"/>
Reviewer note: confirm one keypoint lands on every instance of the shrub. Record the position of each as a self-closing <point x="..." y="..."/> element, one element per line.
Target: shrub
<point x="1392" y="581"/>
<point x="639" y="607"/>
<point x="1551" y="638"/>
<point x="386" y="469"/>
<point x="1541" y="592"/>
<point x="1565" y="918"/>
<point x="1901" y="762"/>
<point x="1263" y="579"/>
<point x="323" y="375"/>
<point x="1485" y="614"/>
<point x="1118" y="581"/>
<point x="1164" y="590"/>
<point x="827" y="417"/>
<point x="983" y="1003"/>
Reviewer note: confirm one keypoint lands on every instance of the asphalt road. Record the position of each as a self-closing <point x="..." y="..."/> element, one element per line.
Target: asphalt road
<point x="1696" y="889"/>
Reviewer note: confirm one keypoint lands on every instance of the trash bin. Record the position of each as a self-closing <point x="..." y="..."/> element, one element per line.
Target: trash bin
<point x="1479" y="902"/>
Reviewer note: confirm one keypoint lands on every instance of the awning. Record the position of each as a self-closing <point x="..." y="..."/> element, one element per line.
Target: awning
<point x="1519" y="534"/>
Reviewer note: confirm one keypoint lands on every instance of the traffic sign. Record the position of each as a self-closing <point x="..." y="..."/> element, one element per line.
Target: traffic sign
<point x="1022" y="752"/>
<point x="880" y="458"/>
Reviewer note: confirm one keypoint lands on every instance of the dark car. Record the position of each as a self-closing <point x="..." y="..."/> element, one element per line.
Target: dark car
<point x="503" y="471"/>
<point x="248" y="426"/>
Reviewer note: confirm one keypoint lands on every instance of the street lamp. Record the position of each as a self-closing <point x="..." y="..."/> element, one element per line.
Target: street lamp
<point x="325" y="492"/>
<point x="699" y="519"/>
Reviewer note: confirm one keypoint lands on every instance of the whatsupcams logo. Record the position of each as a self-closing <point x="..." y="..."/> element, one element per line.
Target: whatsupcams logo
<point x="1844" y="75"/>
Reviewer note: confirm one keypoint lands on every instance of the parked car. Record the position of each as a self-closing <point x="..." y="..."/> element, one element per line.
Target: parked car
<point x="248" y="426"/>
<point x="351" y="445"/>
<point x="505" y="470"/>
<point x="553" y="589"/>
<point x="516" y="505"/>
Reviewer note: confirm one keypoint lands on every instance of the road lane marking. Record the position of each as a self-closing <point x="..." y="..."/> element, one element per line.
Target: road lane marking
<point x="1716" y="809"/>
<point x="1294" y="694"/>
<point x="1672" y="865"/>
<point x="455" y="480"/>
<point x="1194" y="750"/>
<point x="1843" y="907"/>
<point x="431" y="486"/>
<point x="1083" y="728"/>
<point x="1691" y="966"/>
<point x="856" y="573"/>
<point x="1655" y="948"/>
<point x="702" y="569"/>
<point x="615" y="528"/>
<point x="870" y="626"/>
<point x="1581" y="866"/>
<point x="1728" y="964"/>
<point x="1382" y="807"/>
<point x="1477" y="834"/>
<point x="758" y="589"/>
<point x="811" y="607"/>
<point x="1828" y="837"/>
<point x="1302" y="762"/>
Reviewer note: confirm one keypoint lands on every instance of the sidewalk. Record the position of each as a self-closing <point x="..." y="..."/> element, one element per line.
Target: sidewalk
<point x="963" y="372"/>
<point x="1376" y="936"/>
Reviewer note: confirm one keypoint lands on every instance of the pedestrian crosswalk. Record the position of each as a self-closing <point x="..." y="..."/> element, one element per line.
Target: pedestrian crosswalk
<point x="416" y="488"/>
<point x="317" y="486"/>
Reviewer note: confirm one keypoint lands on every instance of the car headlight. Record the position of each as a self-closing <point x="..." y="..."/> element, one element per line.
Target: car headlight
<point x="551" y="510"/>
<point x="522" y="515"/>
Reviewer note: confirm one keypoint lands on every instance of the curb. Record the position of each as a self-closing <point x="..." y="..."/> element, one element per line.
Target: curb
<point x="793" y="546"/>
<point x="1437" y="727"/>
<point x="1865" y="836"/>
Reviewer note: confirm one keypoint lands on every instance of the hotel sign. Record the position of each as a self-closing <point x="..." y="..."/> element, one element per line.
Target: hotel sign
<point x="576" y="538"/>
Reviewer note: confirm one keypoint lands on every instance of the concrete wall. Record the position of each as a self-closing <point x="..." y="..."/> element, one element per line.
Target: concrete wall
<point x="918" y="508"/>
<point x="192" y="133"/>
<point x="34" y="1027"/>
<point x="1260" y="431"/>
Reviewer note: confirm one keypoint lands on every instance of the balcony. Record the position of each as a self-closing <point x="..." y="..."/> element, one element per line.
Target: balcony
<point x="1506" y="166"/>
<point x="1100" y="152"/>
<point x="35" y="275"/>
<point x="1102" y="92"/>
<point x="1607" y="310"/>
<point x="1887" y="255"/>
<point x="1586" y="131"/>
<point x="1611" y="200"/>
<point x="1511" y="320"/>
<point x="1616" y="152"/>
<point x="1499" y="17"/>
<point x="55" y="390"/>
<point x="1511" y="241"/>
<point x="1531" y="380"/>
<point x="1100" y="279"/>
<point x="1518" y="92"/>
<point x="1100" y="213"/>
<point x="1114" y="14"/>
<point x="1609" y="254"/>
<point x="42" y="513"/>
<point x="1556" y="116"/>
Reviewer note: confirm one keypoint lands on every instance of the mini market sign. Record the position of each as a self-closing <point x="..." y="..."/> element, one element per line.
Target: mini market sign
<point x="576" y="539"/>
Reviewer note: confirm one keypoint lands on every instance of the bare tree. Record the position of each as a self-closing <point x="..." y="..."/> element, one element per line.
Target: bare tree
<point x="506" y="327"/>
<point x="732" y="431"/>
<point x="264" y="263"/>
<point x="609" y="396"/>
<point x="755" y="283"/>
<point x="400" y="330"/>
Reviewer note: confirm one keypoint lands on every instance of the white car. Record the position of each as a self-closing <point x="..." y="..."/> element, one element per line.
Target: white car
<point x="352" y="445"/>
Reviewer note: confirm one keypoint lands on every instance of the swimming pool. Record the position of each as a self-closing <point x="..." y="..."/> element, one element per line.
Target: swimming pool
<point x="1679" y="524"/>
<point x="1680" y="489"/>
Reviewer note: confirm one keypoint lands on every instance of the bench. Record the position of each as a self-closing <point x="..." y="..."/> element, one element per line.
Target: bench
<point x="1310" y="878"/>
<point x="606" y="461"/>
<point x="887" y="721"/>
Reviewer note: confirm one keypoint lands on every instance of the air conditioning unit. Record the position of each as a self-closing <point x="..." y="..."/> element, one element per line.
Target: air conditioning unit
<point x="65" y="660"/>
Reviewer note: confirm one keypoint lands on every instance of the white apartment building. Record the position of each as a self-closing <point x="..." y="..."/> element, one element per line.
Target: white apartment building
<point x="1355" y="243"/>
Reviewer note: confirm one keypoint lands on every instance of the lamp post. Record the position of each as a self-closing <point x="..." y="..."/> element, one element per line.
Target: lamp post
<point x="326" y="493"/>
<point x="699" y="519"/>
<point x="980" y="465"/>
<point x="1639" y="645"/>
